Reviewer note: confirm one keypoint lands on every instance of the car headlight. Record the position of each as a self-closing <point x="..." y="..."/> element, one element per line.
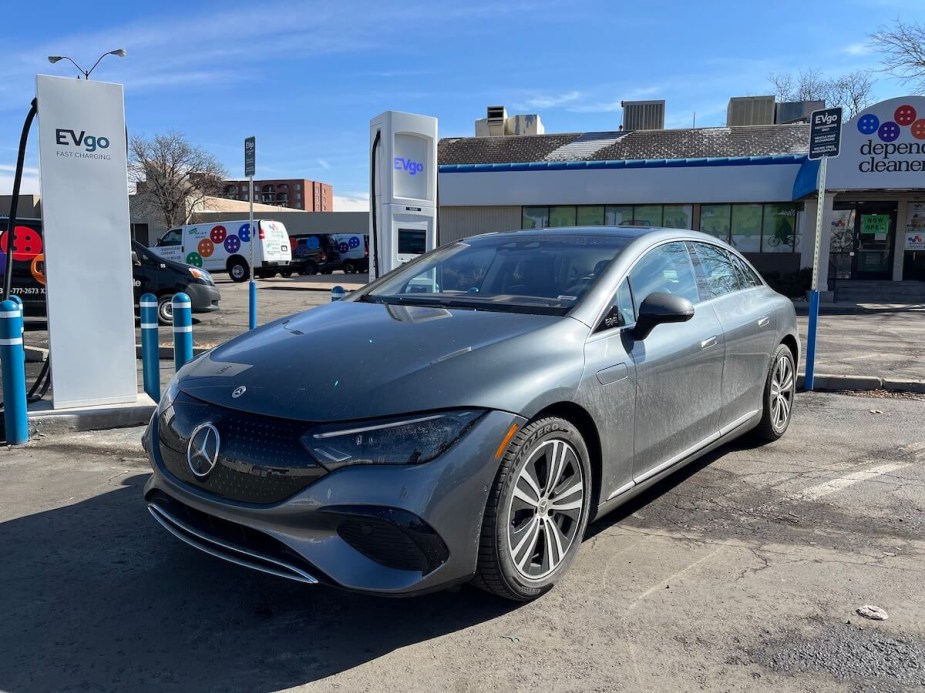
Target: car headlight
<point x="169" y="395"/>
<point x="201" y="275"/>
<point x="409" y="440"/>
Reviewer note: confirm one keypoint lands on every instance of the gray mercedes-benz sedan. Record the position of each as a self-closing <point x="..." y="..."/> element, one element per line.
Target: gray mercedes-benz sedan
<point x="466" y="415"/>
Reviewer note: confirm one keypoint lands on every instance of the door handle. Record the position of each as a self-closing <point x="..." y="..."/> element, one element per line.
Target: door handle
<point x="764" y="322"/>
<point x="707" y="343"/>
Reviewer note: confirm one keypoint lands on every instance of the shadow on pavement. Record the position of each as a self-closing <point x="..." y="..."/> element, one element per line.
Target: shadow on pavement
<point x="96" y="596"/>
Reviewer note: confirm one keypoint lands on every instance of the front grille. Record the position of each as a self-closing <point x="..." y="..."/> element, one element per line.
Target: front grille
<point x="229" y="540"/>
<point x="261" y="459"/>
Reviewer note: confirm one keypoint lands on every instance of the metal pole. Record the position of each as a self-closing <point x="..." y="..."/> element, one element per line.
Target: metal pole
<point x="182" y="330"/>
<point x="814" y="292"/>
<point x="255" y="237"/>
<point x="150" y="356"/>
<point x="15" y="415"/>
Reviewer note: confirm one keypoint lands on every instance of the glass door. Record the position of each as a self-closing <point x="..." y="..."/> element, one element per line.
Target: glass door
<point x="862" y="240"/>
<point x="875" y="228"/>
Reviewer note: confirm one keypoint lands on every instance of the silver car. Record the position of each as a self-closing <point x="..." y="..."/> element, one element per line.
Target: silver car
<point x="465" y="416"/>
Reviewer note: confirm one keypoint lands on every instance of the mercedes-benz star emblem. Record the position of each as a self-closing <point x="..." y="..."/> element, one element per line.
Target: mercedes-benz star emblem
<point x="202" y="451"/>
<point x="238" y="391"/>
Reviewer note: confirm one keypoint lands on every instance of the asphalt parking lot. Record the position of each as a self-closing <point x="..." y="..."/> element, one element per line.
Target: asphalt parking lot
<point x="743" y="572"/>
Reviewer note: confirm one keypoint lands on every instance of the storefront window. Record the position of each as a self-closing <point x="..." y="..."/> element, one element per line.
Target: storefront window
<point x="535" y="218"/>
<point x="714" y="220"/>
<point x="677" y="216"/>
<point x="618" y="215"/>
<point x="562" y="216"/>
<point x="647" y="215"/>
<point x="591" y="215"/>
<point x="746" y="228"/>
<point x="779" y="228"/>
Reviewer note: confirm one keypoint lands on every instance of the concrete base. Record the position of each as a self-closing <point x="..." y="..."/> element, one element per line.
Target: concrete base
<point x="43" y="420"/>
<point x="835" y="383"/>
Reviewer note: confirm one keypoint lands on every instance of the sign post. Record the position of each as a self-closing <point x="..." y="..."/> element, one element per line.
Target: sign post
<point x="824" y="141"/>
<point x="250" y="164"/>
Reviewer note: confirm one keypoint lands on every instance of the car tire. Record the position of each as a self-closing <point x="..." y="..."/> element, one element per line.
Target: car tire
<point x="238" y="271"/>
<point x="779" y="391"/>
<point x="533" y="524"/>
<point x="349" y="268"/>
<point x="165" y="309"/>
<point x="285" y="273"/>
<point x="310" y="268"/>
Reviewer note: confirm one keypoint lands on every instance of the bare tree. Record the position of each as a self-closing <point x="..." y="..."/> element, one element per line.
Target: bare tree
<point x="173" y="176"/>
<point x="851" y="91"/>
<point x="902" y="48"/>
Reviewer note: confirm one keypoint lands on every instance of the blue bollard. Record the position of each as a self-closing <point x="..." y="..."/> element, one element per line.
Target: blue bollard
<point x="337" y="293"/>
<point x="150" y="351"/>
<point x="252" y="310"/>
<point x="15" y="416"/>
<point x="182" y="330"/>
<point x="809" y="378"/>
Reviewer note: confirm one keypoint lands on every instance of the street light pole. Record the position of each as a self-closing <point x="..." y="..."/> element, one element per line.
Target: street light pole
<point x="86" y="73"/>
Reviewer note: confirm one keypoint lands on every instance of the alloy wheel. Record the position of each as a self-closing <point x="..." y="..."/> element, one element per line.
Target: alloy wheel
<point x="782" y="391"/>
<point x="544" y="512"/>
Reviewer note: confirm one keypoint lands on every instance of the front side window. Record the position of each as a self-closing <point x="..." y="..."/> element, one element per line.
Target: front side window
<point x="716" y="274"/>
<point x="667" y="269"/>
<point x="621" y="312"/>
<point x="172" y="237"/>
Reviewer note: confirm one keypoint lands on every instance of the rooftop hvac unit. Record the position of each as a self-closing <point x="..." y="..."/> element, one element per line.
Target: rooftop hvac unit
<point x="496" y="117"/>
<point x="643" y="115"/>
<point x="524" y="125"/>
<point x="750" y="110"/>
<point x="797" y="111"/>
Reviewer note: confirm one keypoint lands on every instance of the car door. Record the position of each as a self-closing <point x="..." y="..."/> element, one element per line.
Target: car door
<point x="170" y="245"/>
<point x="679" y="367"/>
<point x="608" y="391"/>
<point x="732" y="291"/>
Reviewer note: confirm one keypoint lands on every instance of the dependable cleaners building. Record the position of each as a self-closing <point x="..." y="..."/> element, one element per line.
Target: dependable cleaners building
<point x="751" y="185"/>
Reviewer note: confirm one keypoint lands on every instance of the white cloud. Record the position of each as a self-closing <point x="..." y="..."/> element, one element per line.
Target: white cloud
<point x="324" y="164"/>
<point x="857" y="49"/>
<point x="28" y="186"/>
<point x="549" y="100"/>
<point x="351" y="202"/>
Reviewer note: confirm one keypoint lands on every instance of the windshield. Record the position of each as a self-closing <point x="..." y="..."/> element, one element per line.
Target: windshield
<point x="532" y="273"/>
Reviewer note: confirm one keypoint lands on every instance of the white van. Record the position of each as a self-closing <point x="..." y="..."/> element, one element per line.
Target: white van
<point x="225" y="246"/>
<point x="354" y="251"/>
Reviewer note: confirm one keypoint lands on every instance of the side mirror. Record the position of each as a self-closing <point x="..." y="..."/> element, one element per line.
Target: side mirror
<point x="135" y="260"/>
<point x="659" y="308"/>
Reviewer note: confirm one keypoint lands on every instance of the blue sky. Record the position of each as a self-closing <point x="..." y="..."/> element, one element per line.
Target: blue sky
<point x="306" y="77"/>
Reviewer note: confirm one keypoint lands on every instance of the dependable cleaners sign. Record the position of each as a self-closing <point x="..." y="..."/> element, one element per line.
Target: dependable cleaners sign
<point x="85" y="215"/>
<point x="882" y="147"/>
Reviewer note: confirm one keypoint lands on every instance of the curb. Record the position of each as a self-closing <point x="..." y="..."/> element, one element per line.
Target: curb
<point x="832" y="383"/>
<point x="51" y="422"/>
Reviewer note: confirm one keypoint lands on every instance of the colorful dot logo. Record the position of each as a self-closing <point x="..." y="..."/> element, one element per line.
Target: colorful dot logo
<point x="342" y="247"/>
<point x="904" y="115"/>
<point x="218" y="234"/>
<point x="888" y="132"/>
<point x="918" y="129"/>
<point x="311" y="243"/>
<point x="868" y="124"/>
<point x="244" y="233"/>
<point x="354" y="242"/>
<point x="26" y="245"/>
<point x="194" y="259"/>
<point x="206" y="247"/>
<point x="232" y="244"/>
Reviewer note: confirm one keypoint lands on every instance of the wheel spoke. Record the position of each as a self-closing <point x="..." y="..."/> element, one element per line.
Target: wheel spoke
<point x="523" y="496"/>
<point x="558" y="538"/>
<point x="527" y="475"/>
<point x="556" y="465"/>
<point x="558" y="501"/>
<point x="553" y="548"/>
<point x="529" y="540"/>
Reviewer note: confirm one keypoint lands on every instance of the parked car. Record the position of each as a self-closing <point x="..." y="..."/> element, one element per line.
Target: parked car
<point x="164" y="278"/>
<point x="150" y="273"/>
<point x="313" y="254"/>
<point x="354" y="251"/>
<point x="465" y="416"/>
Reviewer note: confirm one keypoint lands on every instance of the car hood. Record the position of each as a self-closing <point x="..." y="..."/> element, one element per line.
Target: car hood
<point x="352" y="360"/>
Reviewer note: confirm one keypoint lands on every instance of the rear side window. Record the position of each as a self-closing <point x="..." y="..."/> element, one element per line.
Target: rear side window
<point x="665" y="269"/>
<point x="747" y="276"/>
<point x="716" y="273"/>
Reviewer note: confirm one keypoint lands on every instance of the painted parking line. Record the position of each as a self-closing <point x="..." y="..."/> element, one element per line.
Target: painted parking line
<point x="817" y="492"/>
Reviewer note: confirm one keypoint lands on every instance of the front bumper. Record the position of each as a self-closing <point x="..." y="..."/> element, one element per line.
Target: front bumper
<point x="204" y="298"/>
<point x="379" y="529"/>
